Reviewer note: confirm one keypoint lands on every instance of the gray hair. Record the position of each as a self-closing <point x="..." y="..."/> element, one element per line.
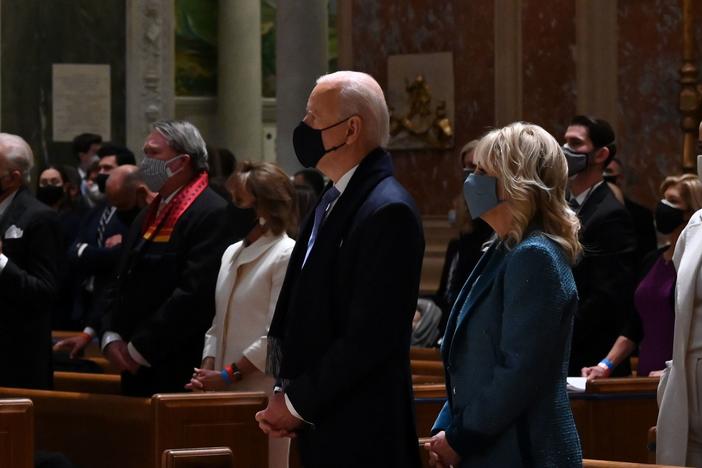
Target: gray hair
<point x="18" y="153"/>
<point x="184" y="138"/>
<point x="361" y="95"/>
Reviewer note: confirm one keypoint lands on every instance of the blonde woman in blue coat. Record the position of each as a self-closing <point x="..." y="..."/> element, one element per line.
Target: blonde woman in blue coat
<point x="507" y="341"/>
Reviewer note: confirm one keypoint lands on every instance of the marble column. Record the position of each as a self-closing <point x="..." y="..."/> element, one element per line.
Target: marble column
<point x="596" y="58"/>
<point x="239" y="112"/>
<point x="150" y="67"/>
<point x="301" y="57"/>
<point x="508" y="61"/>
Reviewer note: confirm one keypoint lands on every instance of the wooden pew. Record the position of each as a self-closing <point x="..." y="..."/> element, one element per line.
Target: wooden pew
<point x="613" y="416"/>
<point x="105" y="384"/>
<point x="428" y="401"/>
<point x="425" y="354"/>
<point x="16" y="433"/>
<point x="614" y="464"/>
<point x="111" y="431"/>
<point x="218" y="457"/>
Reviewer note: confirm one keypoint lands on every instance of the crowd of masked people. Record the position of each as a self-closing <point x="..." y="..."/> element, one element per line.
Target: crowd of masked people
<point x="627" y="279"/>
<point x="194" y="273"/>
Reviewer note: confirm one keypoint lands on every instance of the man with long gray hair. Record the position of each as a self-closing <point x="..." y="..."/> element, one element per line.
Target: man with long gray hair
<point x="162" y="301"/>
<point x="29" y="250"/>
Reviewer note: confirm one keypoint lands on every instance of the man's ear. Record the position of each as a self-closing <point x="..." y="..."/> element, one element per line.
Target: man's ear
<point x="143" y="196"/>
<point x="601" y="156"/>
<point x="353" y="131"/>
<point x="179" y="163"/>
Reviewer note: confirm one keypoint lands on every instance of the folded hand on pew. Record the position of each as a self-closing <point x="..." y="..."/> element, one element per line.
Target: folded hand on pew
<point x="441" y="454"/>
<point x="276" y="420"/>
<point x="117" y="353"/>
<point x="73" y="345"/>
<point x="206" y="380"/>
<point x="595" y="372"/>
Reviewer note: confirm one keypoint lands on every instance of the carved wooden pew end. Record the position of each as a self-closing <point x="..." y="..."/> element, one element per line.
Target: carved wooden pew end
<point x="216" y="457"/>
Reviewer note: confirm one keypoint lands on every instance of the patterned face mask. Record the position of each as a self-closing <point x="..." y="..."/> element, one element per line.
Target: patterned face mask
<point x="156" y="172"/>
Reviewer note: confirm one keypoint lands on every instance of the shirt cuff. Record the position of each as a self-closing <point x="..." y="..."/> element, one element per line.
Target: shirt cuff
<point x="136" y="355"/>
<point x="81" y="248"/>
<point x="108" y="338"/>
<point x="3" y="262"/>
<point x="291" y="408"/>
<point x="90" y="331"/>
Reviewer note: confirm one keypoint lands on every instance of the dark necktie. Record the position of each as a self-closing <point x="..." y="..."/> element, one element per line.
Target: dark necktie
<point x="319" y="214"/>
<point x="574" y="205"/>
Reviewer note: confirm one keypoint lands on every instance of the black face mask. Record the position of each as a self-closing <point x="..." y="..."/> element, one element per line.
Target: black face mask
<point x="50" y="194"/>
<point x="127" y="216"/>
<point x="101" y="181"/>
<point x="668" y="218"/>
<point x="308" y="143"/>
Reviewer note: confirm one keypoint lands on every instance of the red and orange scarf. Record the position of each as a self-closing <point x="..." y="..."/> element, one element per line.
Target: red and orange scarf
<point x="159" y="228"/>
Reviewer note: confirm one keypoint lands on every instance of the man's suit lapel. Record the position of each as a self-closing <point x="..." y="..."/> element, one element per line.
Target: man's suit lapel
<point x="591" y="204"/>
<point x="374" y="168"/>
<point x="14" y="211"/>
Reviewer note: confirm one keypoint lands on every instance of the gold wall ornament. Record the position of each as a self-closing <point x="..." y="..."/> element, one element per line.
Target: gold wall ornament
<point x="420" y="100"/>
<point x="434" y="128"/>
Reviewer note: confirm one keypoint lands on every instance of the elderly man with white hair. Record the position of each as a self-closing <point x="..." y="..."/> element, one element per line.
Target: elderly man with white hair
<point x="29" y="250"/>
<point x="339" y="341"/>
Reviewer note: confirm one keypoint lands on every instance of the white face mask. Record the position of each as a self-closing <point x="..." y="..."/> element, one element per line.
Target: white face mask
<point x="94" y="193"/>
<point x="156" y="172"/>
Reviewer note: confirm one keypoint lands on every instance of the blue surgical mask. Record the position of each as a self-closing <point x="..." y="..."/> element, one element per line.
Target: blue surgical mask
<point x="480" y="192"/>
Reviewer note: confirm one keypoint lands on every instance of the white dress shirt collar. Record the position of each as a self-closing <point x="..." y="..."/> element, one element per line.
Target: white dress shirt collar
<point x="586" y="193"/>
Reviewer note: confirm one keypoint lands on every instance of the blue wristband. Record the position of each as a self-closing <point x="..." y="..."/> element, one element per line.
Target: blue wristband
<point x="225" y="376"/>
<point x="608" y="363"/>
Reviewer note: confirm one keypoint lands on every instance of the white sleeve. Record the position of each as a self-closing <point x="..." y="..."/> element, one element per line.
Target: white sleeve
<point x="256" y="352"/>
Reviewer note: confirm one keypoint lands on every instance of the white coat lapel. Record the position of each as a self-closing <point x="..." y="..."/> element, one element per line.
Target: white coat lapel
<point x="671" y="447"/>
<point x="687" y="261"/>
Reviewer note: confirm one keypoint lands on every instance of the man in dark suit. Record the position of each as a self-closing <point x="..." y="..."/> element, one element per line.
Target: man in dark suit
<point x="29" y="251"/>
<point x="95" y="253"/>
<point x="605" y="275"/>
<point x="128" y="193"/>
<point x="339" y="340"/>
<point x="162" y="301"/>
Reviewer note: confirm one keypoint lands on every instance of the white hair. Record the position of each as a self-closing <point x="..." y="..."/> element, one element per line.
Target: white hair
<point x="18" y="153"/>
<point x="360" y="94"/>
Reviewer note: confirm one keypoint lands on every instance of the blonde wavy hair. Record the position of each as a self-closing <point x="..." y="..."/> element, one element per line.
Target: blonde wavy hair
<point x="532" y="171"/>
<point x="690" y="189"/>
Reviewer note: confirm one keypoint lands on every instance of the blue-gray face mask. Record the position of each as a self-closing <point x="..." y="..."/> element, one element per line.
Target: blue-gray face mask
<point x="577" y="162"/>
<point x="480" y="192"/>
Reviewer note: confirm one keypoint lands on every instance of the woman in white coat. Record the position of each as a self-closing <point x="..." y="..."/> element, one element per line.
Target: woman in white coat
<point x="250" y="278"/>
<point x="679" y="427"/>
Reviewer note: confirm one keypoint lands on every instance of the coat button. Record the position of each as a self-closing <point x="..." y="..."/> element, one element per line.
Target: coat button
<point x="454" y="390"/>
